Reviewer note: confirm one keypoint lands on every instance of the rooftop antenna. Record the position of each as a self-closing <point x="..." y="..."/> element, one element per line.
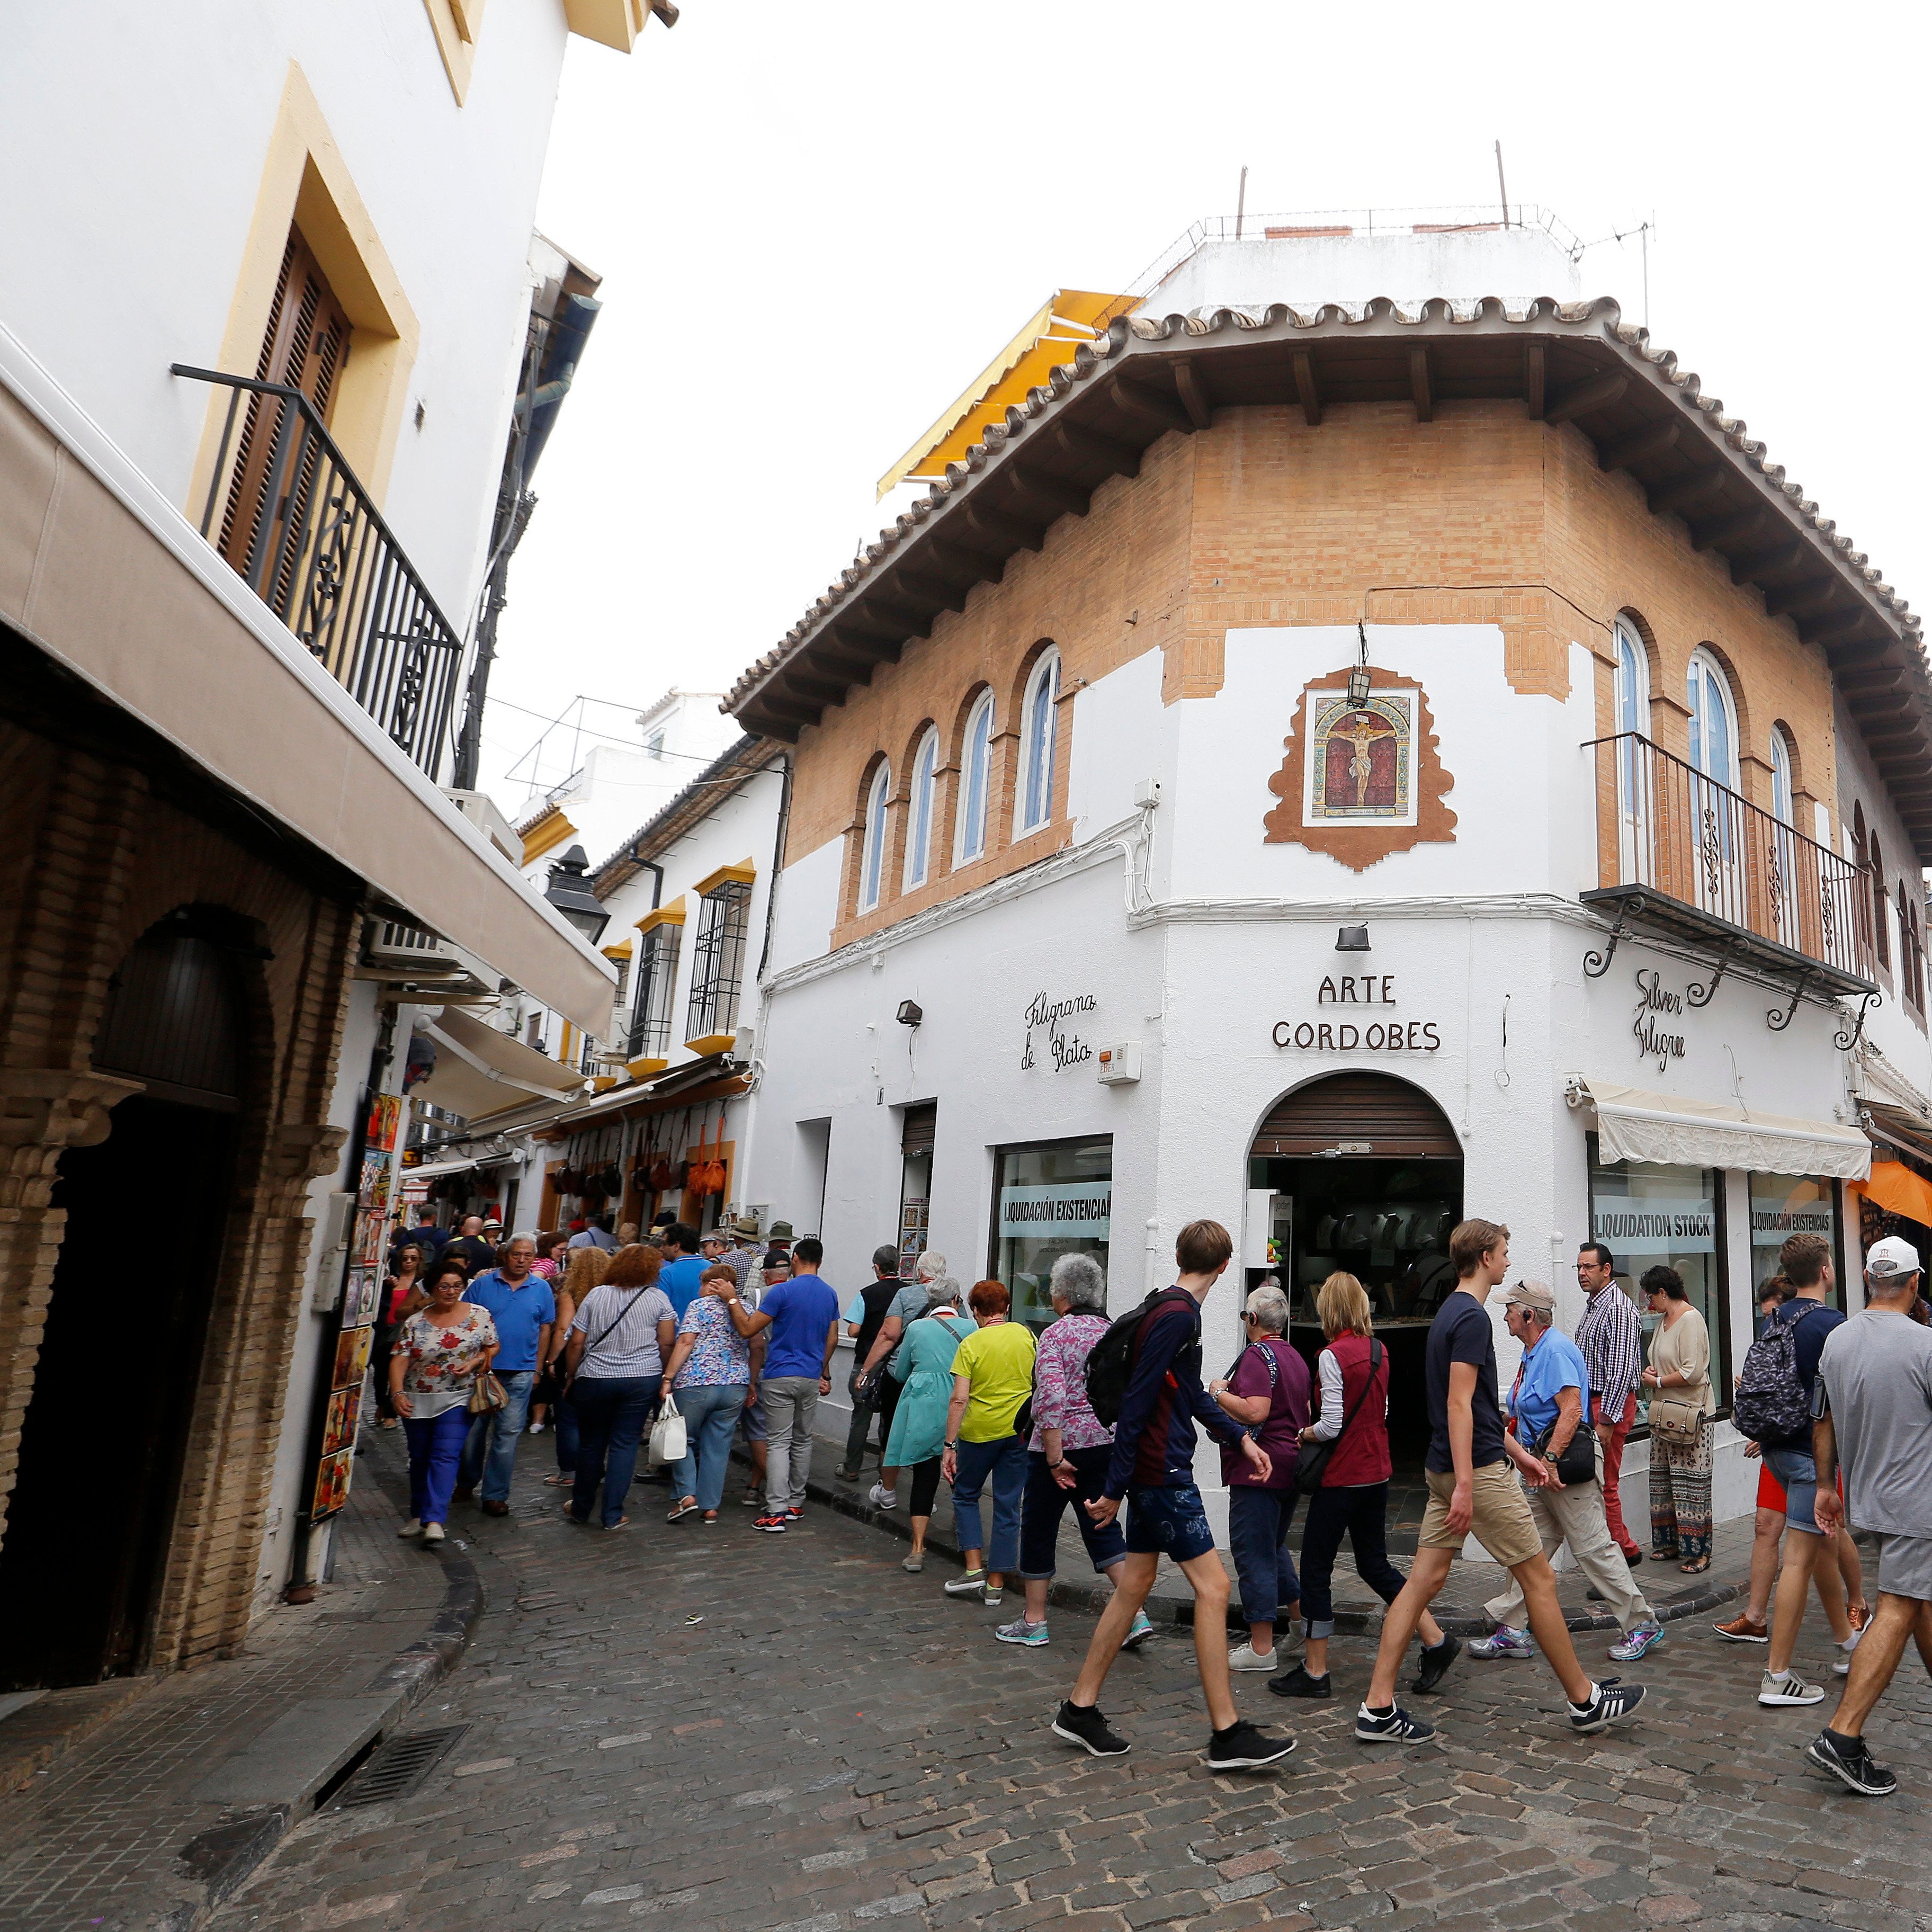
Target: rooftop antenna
<point x="1241" y="201"/>
<point x="1501" y="187"/>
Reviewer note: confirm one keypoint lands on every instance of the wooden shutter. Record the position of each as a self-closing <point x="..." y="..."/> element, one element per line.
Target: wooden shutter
<point x="1370" y="1113"/>
<point x="304" y="346"/>
<point x="919" y="1130"/>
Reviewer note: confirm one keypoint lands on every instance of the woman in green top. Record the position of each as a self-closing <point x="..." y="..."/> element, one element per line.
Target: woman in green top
<point x="923" y="1361"/>
<point x="992" y="1376"/>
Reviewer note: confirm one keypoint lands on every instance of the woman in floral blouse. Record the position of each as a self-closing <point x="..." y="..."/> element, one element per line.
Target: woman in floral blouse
<point x="709" y="1371"/>
<point x="437" y="1356"/>
<point x="1067" y="1457"/>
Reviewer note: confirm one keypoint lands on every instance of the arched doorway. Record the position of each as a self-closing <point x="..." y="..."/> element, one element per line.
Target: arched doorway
<point x="1366" y="1175"/>
<point x="102" y="1443"/>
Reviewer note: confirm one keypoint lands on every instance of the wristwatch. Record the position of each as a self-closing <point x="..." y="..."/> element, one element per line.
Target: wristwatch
<point x="953" y="1446"/>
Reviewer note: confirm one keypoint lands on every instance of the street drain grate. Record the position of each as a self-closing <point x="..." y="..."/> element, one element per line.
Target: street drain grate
<point x="398" y="1768"/>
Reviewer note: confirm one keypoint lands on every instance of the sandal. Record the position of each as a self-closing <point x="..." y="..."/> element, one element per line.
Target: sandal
<point x="1696" y="1569"/>
<point x="570" y="1516"/>
<point x="564" y="1479"/>
<point x="619" y="1524"/>
<point x="686" y="1506"/>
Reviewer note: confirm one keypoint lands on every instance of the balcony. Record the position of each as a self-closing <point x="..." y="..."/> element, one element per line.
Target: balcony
<point x="1678" y="853"/>
<point x="292" y="517"/>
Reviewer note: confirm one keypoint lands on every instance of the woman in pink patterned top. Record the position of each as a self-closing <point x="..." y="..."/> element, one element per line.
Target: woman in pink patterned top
<point x="1067" y="1456"/>
<point x="438" y="1355"/>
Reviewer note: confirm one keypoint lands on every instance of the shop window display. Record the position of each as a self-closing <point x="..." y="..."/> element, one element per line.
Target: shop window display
<point x="1783" y="1204"/>
<point x="1647" y="1213"/>
<point x="1051" y="1198"/>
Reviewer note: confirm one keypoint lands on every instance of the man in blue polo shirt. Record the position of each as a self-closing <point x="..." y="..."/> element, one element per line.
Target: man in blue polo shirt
<point x="683" y="1275"/>
<point x="1551" y="1399"/>
<point x="523" y="1309"/>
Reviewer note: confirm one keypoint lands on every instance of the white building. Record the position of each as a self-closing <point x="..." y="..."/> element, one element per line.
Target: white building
<point x="1208" y="801"/>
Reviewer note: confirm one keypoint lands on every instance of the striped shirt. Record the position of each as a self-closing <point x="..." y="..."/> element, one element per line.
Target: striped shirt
<point x="1610" y="1339"/>
<point x="631" y="1315"/>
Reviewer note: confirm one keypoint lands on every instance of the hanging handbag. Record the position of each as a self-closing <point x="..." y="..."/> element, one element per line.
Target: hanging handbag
<point x="667" y="1437"/>
<point x="1312" y="1463"/>
<point x="1673" y="1418"/>
<point x="708" y="1178"/>
<point x="487" y="1395"/>
<point x="1578" y="1462"/>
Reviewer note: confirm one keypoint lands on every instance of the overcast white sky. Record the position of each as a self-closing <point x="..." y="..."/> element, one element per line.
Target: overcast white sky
<point x="817" y="220"/>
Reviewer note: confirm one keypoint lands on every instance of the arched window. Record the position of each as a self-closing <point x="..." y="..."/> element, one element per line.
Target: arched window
<point x="1780" y="778"/>
<point x="1632" y="681"/>
<point x="1038" y="722"/>
<point x="918" y="830"/>
<point x="872" y="859"/>
<point x="975" y="756"/>
<point x="1781" y="873"/>
<point x="1881" y="925"/>
<point x="1632" y="722"/>
<point x="1714" y="720"/>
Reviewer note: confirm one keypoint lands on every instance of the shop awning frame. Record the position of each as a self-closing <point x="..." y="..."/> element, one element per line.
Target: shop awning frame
<point x="1633" y="1123"/>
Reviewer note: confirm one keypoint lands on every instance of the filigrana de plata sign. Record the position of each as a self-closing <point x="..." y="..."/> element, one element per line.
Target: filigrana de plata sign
<point x="1057" y="1017"/>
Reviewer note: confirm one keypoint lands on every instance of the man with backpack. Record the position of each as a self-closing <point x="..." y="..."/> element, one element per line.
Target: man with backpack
<point x="864" y="1316"/>
<point x="1153" y="1406"/>
<point x="1772" y="1405"/>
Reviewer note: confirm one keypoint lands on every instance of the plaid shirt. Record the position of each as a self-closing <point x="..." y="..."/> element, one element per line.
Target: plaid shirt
<point x="1610" y="1337"/>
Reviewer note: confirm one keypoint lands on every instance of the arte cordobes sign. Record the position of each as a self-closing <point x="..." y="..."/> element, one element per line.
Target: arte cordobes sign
<point x="1357" y="991"/>
<point x="1063" y="1043"/>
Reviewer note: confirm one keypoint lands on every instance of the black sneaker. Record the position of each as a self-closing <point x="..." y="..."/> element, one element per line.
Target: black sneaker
<point x="1392" y="1726"/>
<point x="1848" y="1759"/>
<point x="1242" y="1746"/>
<point x="1297" y="1683"/>
<point x="1088" y="1730"/>
<point x="1615" y="1701"/>
<point x="1436" y="1660"/>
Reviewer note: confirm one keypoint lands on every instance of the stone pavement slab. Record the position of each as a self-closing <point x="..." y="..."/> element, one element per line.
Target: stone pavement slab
<point x="704" y="1729"/>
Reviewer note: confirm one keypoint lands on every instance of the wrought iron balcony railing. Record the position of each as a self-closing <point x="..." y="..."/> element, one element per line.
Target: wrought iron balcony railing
<point x="287" y="511"/>
<point x="1705" y="860"/>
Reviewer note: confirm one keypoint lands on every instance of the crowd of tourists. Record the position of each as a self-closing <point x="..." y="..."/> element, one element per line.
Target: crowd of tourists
<point x="600" y="1335"/>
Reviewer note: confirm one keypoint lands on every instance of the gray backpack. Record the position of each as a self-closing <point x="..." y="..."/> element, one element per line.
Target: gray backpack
<point x="1771" y="1405"/>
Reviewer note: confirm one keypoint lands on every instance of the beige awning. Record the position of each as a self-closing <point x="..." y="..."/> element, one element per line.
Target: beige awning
<point x="1635" y="1124"/>
<point x="108" y="577"/>
<point x="480" y="1072"/>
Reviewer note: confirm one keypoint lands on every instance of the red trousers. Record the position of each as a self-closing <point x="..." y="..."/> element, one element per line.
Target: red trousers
<point x="1613" y="1465"/>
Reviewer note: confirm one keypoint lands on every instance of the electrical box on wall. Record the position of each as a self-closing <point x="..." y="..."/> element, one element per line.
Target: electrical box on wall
<point x="1117" y="1063"/>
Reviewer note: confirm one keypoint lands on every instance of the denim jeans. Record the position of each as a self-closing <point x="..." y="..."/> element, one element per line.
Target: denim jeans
<point x="1360" y="1511"/>
<point x="495" y="1437"/>
<point x="563" y="1429"/>
<point x="435" y="1444"/>
<point x="1046" y="1502"/>
<point x="1004" y="1462"/>
<point x="1257" y="1522"/>
<point x="611" y="1414"/>
<point x="710" y="1413"/>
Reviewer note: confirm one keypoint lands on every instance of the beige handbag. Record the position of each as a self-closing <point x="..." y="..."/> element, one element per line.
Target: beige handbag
<point x="1676" y="1418"/>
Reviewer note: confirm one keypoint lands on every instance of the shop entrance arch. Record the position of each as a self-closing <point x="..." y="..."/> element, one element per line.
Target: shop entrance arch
<point x="1364" y="1176"/>
<point x="105" y="1436"/>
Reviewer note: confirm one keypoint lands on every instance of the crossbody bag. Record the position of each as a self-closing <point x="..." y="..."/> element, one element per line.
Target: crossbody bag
<point x="1312" y="1463"/>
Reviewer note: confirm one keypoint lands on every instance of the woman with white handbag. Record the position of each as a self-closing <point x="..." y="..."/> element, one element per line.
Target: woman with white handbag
<point x="618" y="1337"/>
<point x="709" y="1373"/>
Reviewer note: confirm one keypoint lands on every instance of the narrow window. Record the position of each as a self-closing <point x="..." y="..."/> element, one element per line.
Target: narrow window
<point x="1780" y="778"/>
<point x="1037" y="737"/>
<point x="919" y="831"/>
<point x="871" y="864"/>
<point x="1881" y="925"/>
<point x="1713" y="721"/>
<point x="975" y="755"/>
<point x="717" y="959"/>
<point x="656" y="982"/>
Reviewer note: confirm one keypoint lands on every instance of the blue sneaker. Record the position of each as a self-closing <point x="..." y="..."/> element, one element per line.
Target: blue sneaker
<point x="1139" y="1631"/>
<point x="1503" y="1642"/>
<point x="1020" y="1631"/>
<point x="1644" y="1637"/>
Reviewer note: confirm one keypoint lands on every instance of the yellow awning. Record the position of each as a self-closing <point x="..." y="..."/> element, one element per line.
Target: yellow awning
<point x="1067" y="318"/>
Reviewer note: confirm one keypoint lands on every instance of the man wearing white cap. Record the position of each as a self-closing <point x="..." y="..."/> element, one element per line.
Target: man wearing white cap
<point x="1872" y="1410"/>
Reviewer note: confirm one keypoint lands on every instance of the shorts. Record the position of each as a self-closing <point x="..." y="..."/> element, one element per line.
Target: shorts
<point x="1795" y="1470"/>
<point x="1499" y="1520"/>
<point x="1905" y="1566"/>
<point x="1770" y="1490"/>
<point x="751" y="1421"/>
<point x="1168" y="1522"/>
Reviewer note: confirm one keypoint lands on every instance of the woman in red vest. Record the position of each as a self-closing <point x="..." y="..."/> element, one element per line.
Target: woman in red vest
<point x="1354" y="1495"/>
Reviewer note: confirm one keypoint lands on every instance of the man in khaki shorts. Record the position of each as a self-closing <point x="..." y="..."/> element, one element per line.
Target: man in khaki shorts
<point x="1473" y="1491"/>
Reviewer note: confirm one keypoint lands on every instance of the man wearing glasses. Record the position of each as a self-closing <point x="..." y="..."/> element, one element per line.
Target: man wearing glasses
<point x="1610" y="1339"/>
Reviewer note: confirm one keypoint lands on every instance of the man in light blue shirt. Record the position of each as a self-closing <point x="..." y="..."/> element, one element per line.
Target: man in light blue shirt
<point x="1552" y="1393"/>
<point x="524" y="1310"/>
<point x="683" y="1275"/>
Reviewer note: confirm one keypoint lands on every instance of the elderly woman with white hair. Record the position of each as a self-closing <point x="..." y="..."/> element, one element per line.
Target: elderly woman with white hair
<point x="924" y="1365"/>
<point x="1267" y="1391"/>
<point x="1068" y="1453"/>
<point x="908" y="1306"/>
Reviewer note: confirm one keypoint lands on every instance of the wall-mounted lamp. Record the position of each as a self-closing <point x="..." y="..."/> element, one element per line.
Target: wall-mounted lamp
<point x="910" y="1014"/>
<point x="1358" y="678"/>
<point x="1352" y="939"/>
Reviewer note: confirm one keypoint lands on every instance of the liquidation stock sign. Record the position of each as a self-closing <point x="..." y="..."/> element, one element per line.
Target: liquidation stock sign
<point x="1079" y="1210"/>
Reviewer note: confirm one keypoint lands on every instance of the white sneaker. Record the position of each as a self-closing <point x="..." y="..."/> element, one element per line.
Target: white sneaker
<point x="536" y="1429"/>
<point x="1842" y="1668"/>
<point x="1791" y="1689"/>
<point x="882" y="1497"/>
<point x="433" y="1532"/>
<point x="412" y="1527"/>
<point x="1242" y="1657"/>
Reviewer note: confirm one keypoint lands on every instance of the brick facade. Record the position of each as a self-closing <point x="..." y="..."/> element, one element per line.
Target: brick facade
<point x="1481" y="515"/>
<point x="97" y="853"/>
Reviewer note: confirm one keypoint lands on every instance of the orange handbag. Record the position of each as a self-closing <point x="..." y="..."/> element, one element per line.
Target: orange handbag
<point x="708" y="1174"/>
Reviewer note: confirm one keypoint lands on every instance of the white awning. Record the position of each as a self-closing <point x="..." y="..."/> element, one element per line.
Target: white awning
<point x="431" y="1169"/>
<point x="480" y="1072"/>
<point x="1633" y="1124"/>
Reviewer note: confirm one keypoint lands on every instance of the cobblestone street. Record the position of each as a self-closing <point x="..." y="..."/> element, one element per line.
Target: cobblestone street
<point x="712" y="1728"/>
